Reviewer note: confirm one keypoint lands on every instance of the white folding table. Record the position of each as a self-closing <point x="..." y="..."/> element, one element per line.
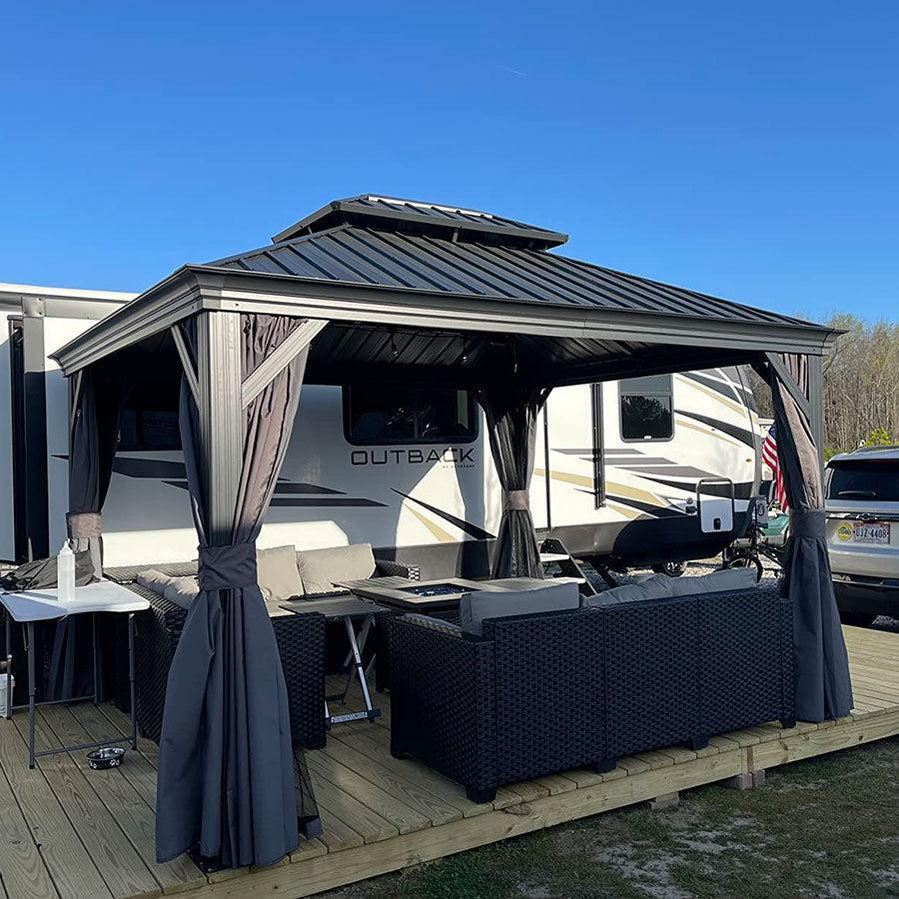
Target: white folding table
<point x="32" y="606"/>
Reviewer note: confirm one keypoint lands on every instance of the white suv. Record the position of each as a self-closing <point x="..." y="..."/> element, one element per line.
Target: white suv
<point x="862" y="503"/>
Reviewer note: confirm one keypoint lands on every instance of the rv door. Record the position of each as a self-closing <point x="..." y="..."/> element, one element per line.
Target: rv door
<point x="715" y="501"/>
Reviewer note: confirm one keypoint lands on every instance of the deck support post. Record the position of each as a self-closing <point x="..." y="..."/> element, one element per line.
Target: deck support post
<point x="748" y="780"/>
<point x="664" y="802"/>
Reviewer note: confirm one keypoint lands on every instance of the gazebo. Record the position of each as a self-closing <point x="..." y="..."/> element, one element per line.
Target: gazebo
<point x="390" y="290"/>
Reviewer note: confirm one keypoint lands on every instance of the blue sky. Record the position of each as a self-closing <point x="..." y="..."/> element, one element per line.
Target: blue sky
<point x="751" y="150"/>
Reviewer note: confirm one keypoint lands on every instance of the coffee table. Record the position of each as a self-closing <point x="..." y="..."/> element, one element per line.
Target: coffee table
<point x="439" y="594"/>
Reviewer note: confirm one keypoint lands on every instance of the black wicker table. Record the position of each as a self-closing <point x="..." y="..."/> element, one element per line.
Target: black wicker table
<point x="347" y="609"/>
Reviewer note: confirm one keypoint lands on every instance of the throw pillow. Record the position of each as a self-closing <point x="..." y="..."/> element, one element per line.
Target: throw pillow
<point x="276" y="571"/>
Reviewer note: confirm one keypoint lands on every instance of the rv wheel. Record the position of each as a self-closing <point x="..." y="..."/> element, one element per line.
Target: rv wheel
<point x="672" y="569"/>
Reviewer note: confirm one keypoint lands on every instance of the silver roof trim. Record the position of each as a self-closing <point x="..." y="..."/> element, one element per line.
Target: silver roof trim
<point x="35" y="301"/>
<point x="192" y="288"/>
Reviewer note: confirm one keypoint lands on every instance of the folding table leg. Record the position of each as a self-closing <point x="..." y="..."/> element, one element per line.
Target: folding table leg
<point x="31" y="692"/>
<point x="96" y="666"/>
<point x="131" y="679"/>
<point x="357" y="661"/>
<point x="7" y="619"/>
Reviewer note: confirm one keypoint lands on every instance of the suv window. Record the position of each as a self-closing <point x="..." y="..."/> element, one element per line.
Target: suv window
<point x="869" y="479"/>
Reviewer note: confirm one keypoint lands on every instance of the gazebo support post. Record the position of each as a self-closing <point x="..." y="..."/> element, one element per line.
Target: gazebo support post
<point x="816" y="403"/>
<point x="219" y="406"/>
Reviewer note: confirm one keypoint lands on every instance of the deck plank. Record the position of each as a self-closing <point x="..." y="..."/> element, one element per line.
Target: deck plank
<point x="124" y="804"/>
<point x="355" y="814"/>
<point x="400" y="814"/>
<point x="119" y="864"/>
<point x="392" y="781"/>
<point x="365" y="741"/>
<point x="22" y="869"/>
<point x="138" y="772"/>
<point x="69" y="864"/>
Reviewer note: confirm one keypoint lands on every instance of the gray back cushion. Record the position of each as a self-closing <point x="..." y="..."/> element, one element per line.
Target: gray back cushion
<point x="716" y="582"/>
<point x="320" y="568"/>
<point x="153" y="579"/>
<point x="624" y="593"/>
<point x="475" y="607"/>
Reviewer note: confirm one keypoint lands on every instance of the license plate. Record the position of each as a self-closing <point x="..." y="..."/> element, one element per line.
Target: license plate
<point x="877" y="533"/>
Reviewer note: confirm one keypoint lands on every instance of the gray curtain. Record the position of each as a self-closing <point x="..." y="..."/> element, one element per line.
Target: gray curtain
<point x="823" y="687"/>
<point x="511" y="411"/>
<point x="92" y="447"/>
<point x="228" y="783"/>
<point x="95" y="430"/>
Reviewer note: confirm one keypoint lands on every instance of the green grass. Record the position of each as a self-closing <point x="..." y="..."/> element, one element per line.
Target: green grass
<point x="825" y="827"/>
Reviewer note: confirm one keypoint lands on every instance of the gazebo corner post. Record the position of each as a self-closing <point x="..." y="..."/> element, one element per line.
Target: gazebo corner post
<point x="816" y="404"/>
<point x="823" y="682"/>
<point x="226" y="710"/>
<point x="219" y="408"/>
<point x="511" y="407"/>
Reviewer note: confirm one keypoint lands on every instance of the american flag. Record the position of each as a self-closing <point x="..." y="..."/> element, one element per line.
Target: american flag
<point x="769" y="455"/>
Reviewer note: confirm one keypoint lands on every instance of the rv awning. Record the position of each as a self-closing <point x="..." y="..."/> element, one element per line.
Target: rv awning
<point x="444" y="292"/>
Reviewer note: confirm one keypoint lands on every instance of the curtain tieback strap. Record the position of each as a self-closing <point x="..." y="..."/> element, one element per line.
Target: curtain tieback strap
<point x="82" y="525"/>
<point x="224" y="567"/>
<point x="810" y="523"/>
<point x="516" y="501"/>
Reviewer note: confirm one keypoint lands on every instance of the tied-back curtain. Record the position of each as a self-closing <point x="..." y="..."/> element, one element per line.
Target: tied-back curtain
<point x="96" y="414"/>
<point x="511" y="411"/>
<point x="823" y="686"/>
<point x="226" y="781"/>
<point x="95" y="429"/>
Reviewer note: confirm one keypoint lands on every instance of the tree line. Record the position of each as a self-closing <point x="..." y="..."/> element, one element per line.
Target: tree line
<point x="861" y="386"/>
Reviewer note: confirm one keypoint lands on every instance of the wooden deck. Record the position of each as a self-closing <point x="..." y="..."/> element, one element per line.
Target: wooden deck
<point x="68" y="831"/>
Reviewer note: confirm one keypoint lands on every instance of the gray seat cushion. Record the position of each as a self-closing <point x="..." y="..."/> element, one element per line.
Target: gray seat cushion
<point x="475" y="607"/>
<point x="321" y="568"/>
<point x="434" y="624"/>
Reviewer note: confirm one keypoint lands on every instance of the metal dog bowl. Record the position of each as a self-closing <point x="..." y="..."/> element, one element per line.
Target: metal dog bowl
<point x="107" y="757"/>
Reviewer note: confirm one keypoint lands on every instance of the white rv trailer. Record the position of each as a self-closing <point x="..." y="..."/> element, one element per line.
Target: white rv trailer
<point x="630" y="472"/>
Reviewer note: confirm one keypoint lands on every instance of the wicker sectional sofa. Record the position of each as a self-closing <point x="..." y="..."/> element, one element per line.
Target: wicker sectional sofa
<point x="548" y="692"/>
<point x="310" y="647"/>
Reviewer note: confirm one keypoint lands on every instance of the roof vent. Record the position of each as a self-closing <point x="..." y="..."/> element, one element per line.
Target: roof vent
<point x="437" y="219"/>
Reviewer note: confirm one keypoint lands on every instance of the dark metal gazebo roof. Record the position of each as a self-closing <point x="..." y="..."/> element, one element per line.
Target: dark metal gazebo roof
<point x="353" y="242"/>
<point x="434" y="292"/>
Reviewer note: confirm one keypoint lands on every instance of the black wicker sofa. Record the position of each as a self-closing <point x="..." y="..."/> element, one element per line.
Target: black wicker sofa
<point x="553" y="691"/>
<point x="309" y="646"/>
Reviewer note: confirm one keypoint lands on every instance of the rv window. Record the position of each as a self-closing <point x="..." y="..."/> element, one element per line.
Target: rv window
<point x="148" y="421"/>
<point x="646" y="408"/>
<point x="380" y="414"/>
